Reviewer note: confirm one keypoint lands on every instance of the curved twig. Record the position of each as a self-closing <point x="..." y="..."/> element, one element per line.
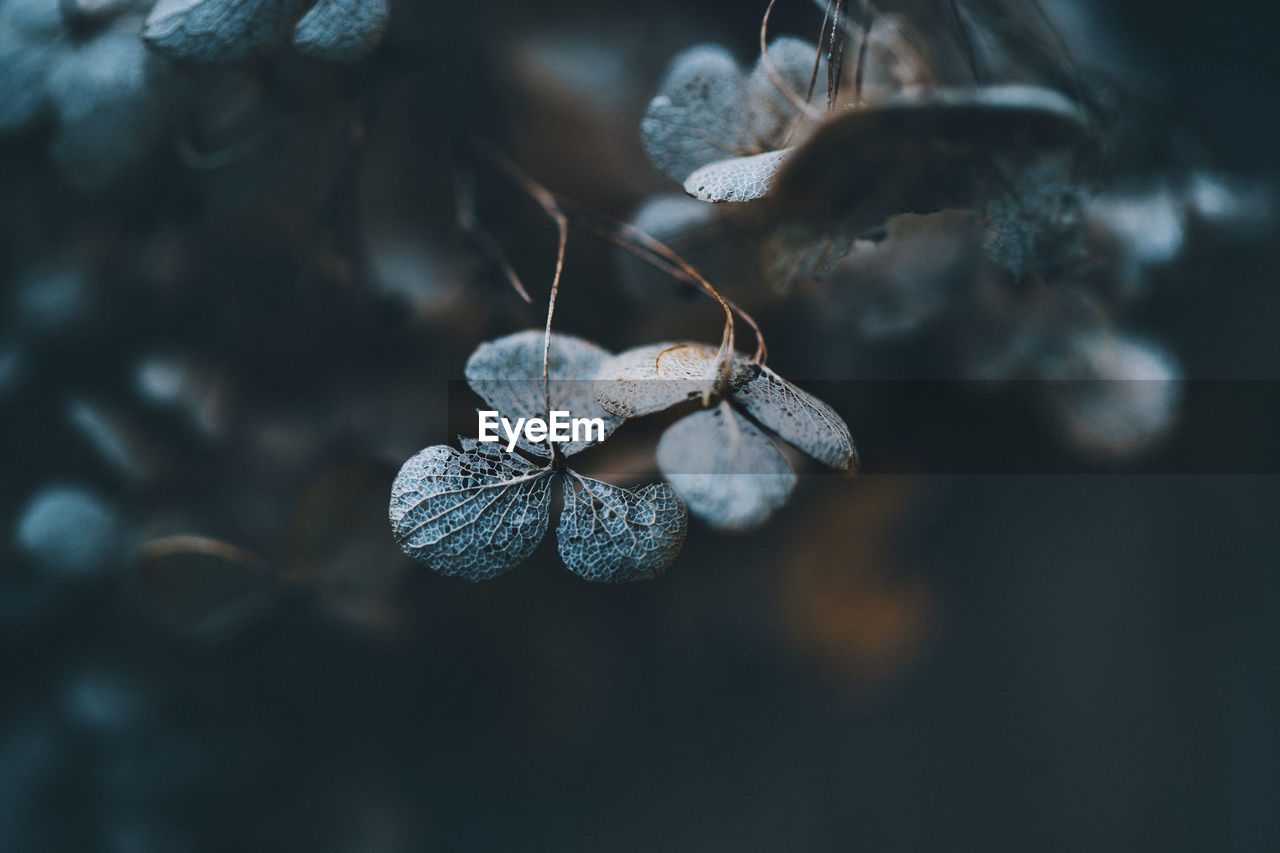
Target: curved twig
<point x="799" y="103"/>
<point x="564" y="212"/>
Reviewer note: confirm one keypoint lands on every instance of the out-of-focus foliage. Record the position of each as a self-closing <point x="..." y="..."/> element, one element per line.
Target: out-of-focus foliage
<point x="341" y="30"/>
<point x="232" y="30"/>
<point x="237" y="278"/>
<point x="70" y="531"/>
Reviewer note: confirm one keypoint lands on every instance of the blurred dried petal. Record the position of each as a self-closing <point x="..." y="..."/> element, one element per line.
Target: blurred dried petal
<point x="724" y="468"/>
<point x="115" y="436"/>
<point x="1038" y="224"/>
<point x="182" y="383"/>
<point x="22" y="72"/>
<point x="1150" y="225"/>
<point x="31" y="21"/>
<point x="216" y="30"/>
<point x="922" y="153"/>
<point x="70" y="531"/>
<point x="341" y="30"/>
<point x="794" y="253"/>
<point x="773" y="115"/>
<point x="51" y="296"/>
<point x="110" y="101"/>
<point x="895" y="286"/>
<point x="1113" y="395"/>
<point x="699" y="114"/>
<point x="1236" y="205"/>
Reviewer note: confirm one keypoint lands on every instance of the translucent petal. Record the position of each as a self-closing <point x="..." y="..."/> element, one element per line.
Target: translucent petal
<point x="473" y="514"/>
<point x="216" y="30"/>
<point x="654" y="377"/>
<point x="610" y="534"/>
<point x="798" y="417"/>
<point x="728" y="472"/>
<point x="699" y="114"/>
<point x="341" y="30"/>
<point x="507" y="373"/>
<point x="738" y="178"/>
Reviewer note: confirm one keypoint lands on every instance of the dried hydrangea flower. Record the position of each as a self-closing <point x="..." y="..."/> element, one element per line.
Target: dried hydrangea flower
<point x="479" y="512"/>
<point x="724" y="467"/>
<point x="232" y="30"/>
<point x="709" y="114"/>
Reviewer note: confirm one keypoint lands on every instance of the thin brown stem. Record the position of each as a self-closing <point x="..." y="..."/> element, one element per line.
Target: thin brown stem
<point x="547" y="201"/>
<point x="813" y="75"/>
<point x="470" y="224"/>
<point x="799" y="103"/>
<point x="835" y="54"/>
<point x="562" y="238"/>
<point x="661" y="256"/>
<point x="564" y="212"/>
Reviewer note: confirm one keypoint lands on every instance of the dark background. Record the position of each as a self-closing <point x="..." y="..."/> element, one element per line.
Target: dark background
<point x="950" y="662"/>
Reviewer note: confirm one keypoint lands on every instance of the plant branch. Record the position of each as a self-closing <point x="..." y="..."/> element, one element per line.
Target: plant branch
<point x="799" y="103"/>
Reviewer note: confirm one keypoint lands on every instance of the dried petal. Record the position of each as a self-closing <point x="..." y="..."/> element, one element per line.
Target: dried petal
<point x="772" y="113"/>
<point x="1114" y="395"/>
<point x="728" y="472"/>
<point x="70" y="531"/>
<point x="474" y="514"/>
<point x="654" y="377"/>
<point x="22" y="72"/>
<point x="1038" y="223"/>
<point x="738" y="178"/>
<point x="699" y="114"/>
<point x="610" y="534"/>
<point x="798" y="417"/>
<point x="507" y="373"/>
<point x="216" y="30"/>
<point x="896" y="285"/>
<point x="110" y="98"/>
<point x="922" y="153"/>
<point x="341" y="30"/>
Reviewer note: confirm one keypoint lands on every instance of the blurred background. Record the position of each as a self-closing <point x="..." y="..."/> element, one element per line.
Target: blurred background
<point x="235" y="296"/>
